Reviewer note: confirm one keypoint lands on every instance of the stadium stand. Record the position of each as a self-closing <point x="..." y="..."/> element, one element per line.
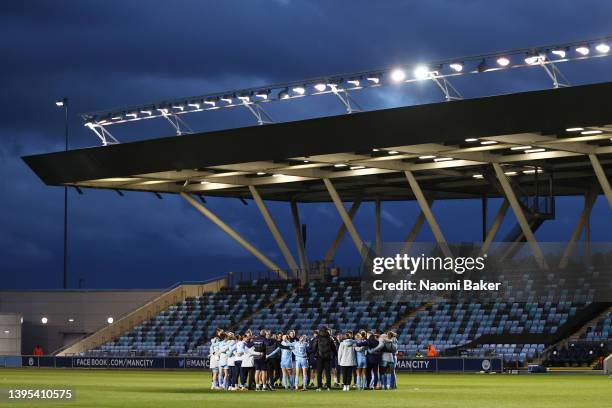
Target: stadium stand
<point x="576" y="354"/>
<point x="599" y="330"/>
<point x="453" y="327"/>
<point x="185" y="328"/>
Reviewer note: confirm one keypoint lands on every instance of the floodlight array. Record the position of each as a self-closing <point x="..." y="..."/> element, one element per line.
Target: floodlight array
<point x="545" y="56"/>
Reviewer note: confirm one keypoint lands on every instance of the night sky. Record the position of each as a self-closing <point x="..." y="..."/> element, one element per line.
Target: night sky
<point x="114" y="53"/>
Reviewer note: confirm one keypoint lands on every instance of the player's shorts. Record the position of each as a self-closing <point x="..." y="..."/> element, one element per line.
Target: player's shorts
<point x="260" y="364"/>
<point x="387" y="364"/>
<point x="214" y="369"/>
<point x="286" y="363"/>
<point x="214" y="362"/>
<point x="362" y="362"/>
<point x="301" y="362"/>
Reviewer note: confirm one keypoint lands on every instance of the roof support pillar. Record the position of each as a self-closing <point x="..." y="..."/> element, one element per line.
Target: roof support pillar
<point x="601" y="177"/>
<point x="233" y="234"/>
<point x="497" y="222"/>
<point x="297" y="225"/>
<point x="377" y="223"/>
<point x="431" y="220"/>
<point x="414" y="231"/>
<point x="348" y="222"/>
<point x="274" y="230"/>
<point x="329" y="256"/>
<point x="485" y="211"/>
<point x="519" y="214"/>
<point x="589" y="200"/>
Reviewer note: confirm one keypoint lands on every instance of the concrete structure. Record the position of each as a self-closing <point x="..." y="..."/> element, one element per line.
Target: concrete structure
<point x="71" y="314"/>
<point x="10" y="334"/>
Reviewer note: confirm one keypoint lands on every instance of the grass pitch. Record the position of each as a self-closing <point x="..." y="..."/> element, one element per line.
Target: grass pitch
<point x="178" y="389"/>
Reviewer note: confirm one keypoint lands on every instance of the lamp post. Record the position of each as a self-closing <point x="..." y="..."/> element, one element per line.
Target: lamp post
<point x="63" y="103"/>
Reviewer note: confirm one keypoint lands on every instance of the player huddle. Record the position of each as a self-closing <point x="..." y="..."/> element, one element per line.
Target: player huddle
<point x="267" y="360"/>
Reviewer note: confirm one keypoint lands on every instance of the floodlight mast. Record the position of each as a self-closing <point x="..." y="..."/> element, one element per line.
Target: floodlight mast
<point x="341" y="86"/>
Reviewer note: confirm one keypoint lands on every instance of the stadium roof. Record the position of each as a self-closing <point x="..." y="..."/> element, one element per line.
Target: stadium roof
<point x="448" y="146"/>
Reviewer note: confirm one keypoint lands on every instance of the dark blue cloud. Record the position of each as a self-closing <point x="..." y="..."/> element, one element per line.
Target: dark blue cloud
<point x="104" y="54"/>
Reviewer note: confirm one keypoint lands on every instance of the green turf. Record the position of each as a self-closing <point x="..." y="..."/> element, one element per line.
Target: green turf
<point x="118" y="388"/>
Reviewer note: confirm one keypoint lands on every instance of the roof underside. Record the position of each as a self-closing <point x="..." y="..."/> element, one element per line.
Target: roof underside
<point x="366" y="153"/>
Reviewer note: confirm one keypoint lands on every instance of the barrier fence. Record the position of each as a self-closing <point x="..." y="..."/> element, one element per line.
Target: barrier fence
<point x="442" y="364"/>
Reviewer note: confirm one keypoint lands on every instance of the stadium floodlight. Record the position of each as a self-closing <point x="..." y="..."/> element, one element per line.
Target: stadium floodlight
<point x="591" y="132"/>
<point x="71" y="320"/>
<point x="602" y="48"/>
<point x="559" y="52"/>
<point x="503" y="61"/>
<point x="261" y="173"/>
<point x="374" y="78"/>
<point x="510" y="173"/>
<point x="178" y="106"/>
<point x="211" y="101"/>
<point x="488" y="142"/>
<point x="245" y="98"/>
<point x="426" y="157"/>
<point x="583" y="50"/>
<point x="59" y="103"/>
<point x="227" y="99"/>
<point x="283" y="94"/>
<point x="320" y="87"/>
<point x="263" y="94"/>
<point x="421" y="72"/>
<point x="110" y="320"/>
<point x="300" y="90"/>
<point x="456" y="66"/>
<point x="520" y="148"/>
<point x="538" y="150"/>
<point x="131" y="114"/>
<point x="471" y="139"/>
<point x="442" y="159"/>
<point x="532" y="59"/>
<point x="393" y="152"/>
<point x="44" y="320"/>
<point x="357" y="167"/>
<point x="340" y="165"/>
<point x="194" y="104"/>
<point x="398" y="75"/>
<point x="477" y="176"/>
<point x="574" y="129"/>
<point x="353" y="81"/>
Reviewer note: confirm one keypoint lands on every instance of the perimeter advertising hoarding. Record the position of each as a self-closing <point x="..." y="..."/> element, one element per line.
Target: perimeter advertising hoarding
<point x="456" y="364"/>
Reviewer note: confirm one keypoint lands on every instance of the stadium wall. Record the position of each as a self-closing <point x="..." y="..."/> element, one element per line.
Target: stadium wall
<point x="143" y="313"/>
<point x="90" y="310"/>
<point x="10" y="334"/>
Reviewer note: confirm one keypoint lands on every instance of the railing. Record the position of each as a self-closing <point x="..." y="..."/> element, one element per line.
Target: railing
<point x="315" y="273"/>
<point x="147" y="311"/>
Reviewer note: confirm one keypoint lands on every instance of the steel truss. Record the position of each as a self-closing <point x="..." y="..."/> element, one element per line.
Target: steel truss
<point x="258" y="111"/>
<point x="339" y="85"/>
